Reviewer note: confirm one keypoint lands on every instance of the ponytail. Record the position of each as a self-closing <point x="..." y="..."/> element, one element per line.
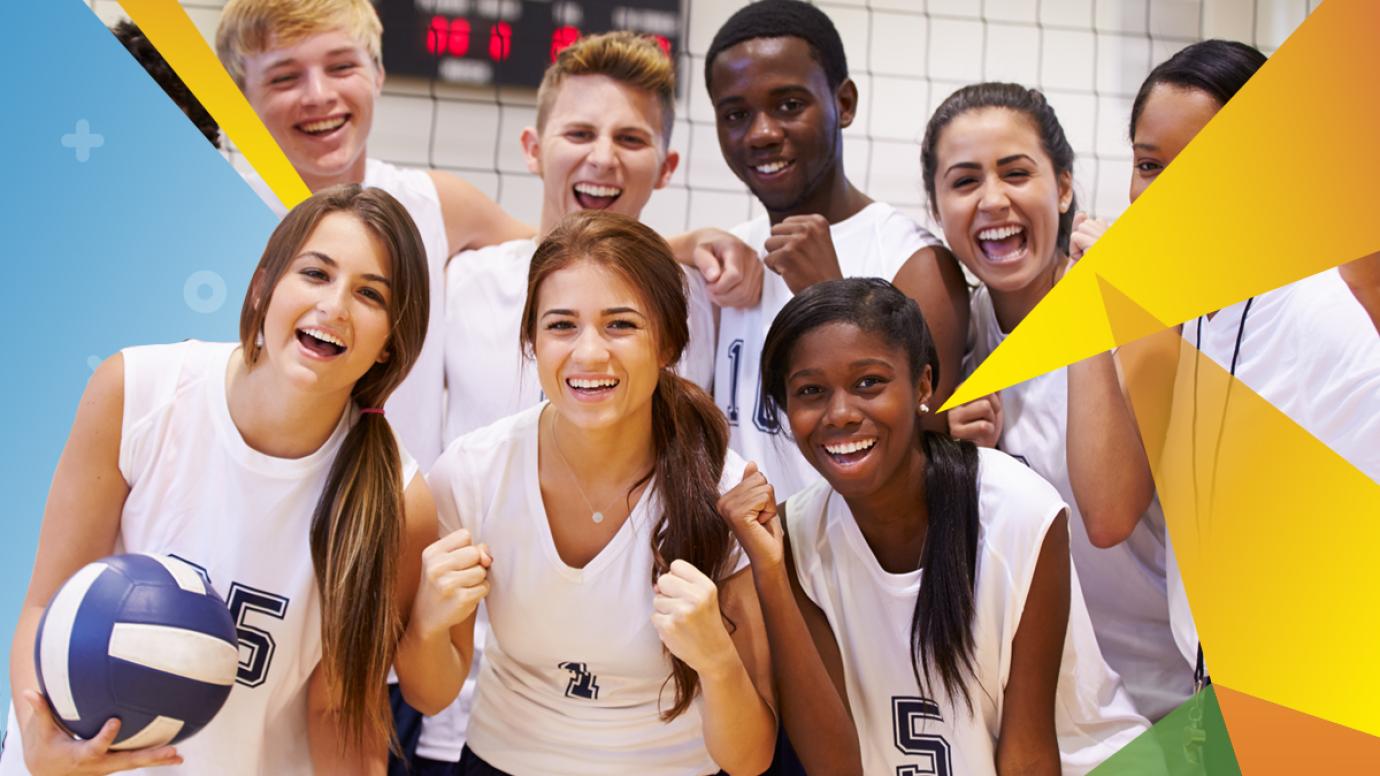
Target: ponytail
<point x="356" y="531"/>
<point x="941" y="633"/>
<point x="690" y="436"/>
<point x="941" y="629"/>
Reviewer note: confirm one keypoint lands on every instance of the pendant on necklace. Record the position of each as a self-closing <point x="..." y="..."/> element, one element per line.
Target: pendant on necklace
<point x="597" y="517"/>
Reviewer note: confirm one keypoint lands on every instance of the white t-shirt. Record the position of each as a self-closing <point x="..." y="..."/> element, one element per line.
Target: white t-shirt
<point x="198" y="491"/>
<point x="573" y="667"/>
<point x="875" y="242"/>
<point x="487" y="379"/>
<point x="1310" y="350"/>
<point x="870" y="610"/>
<point x="1124" y="586"/>
<point x="487" y="376"/>
<point x="414" y="409"/>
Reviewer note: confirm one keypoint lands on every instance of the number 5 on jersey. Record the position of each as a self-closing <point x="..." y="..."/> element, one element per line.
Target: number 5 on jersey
<point x="908" y="716"/>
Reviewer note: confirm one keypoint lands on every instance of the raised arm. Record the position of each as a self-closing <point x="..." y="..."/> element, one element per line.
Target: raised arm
<point x="450" y="577"/>
<point x="81" y="520"/>
<point x="933" y="279"/>
<point x="1028" y="745"/>
<point x="472" y="219"/>
<point x="805" y="658"/>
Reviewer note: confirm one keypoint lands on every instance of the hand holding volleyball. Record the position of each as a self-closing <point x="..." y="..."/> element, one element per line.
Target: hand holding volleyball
<point x="50" y="749"/>
<point x="801" y="251"/>
<point x="750" y="510"/>
<point x="455" y="579"/>
<point x="686" y="615"/>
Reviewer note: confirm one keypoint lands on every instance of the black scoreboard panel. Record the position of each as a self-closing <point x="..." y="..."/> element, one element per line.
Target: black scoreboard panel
<point x="508" y="42"/>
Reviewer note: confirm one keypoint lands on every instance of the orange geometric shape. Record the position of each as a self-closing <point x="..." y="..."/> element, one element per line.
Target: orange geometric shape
<point x="1272" y="739"/>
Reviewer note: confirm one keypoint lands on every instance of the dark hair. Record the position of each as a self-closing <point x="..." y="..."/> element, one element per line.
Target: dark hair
<point x="356" y="530"/>
<point x="1013" y="97"/>
<point x="689" y="433"/>
<point x="941" y="628"/>
<point x="780" y="19"/>
<point x="138" y="45"/>
<point x="1218" y="67"/>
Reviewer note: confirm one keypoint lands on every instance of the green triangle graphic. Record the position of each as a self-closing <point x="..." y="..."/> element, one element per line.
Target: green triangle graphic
<point x="1191" y="741"/>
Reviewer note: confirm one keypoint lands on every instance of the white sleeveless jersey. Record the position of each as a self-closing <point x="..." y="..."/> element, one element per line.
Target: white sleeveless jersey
<point x="902" y="729"/>
<point x="875" y="242"/>
<point x="1124" y="586"/>
<point x="1312" y="330"/>
<point x="487" y="377"/>
<point x="415" y="410"/>
<point x="573" y="667"/>
<point x="199" y="492"/>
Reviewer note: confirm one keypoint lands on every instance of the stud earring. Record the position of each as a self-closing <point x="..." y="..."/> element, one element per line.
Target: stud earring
<point x="259" y="339"/>
<point x="924" y="408"/>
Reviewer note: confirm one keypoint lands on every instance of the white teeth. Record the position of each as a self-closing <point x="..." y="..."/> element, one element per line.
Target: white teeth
<point x="595" y="190"/>
<point x="324" y="337"/>
<point x="604" y="383"/>
<point x="323" y="125"/>
<point x="850" y="447"/>
<point x="1000" y="233"/>
<point x="771" y="167"/>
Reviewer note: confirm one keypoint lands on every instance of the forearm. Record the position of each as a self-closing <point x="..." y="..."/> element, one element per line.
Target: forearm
<point x="1107" y="465"/>
<point x="812" y="711"/>
<point x="683" y="246"/>
<point x="431" y="668"/>
<point x="330" y="753"/>
<point x="23" y="672"/>
<point x="739" y="727"/>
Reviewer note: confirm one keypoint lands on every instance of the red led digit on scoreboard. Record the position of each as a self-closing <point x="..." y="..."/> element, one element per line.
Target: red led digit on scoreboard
<point x="448" y="36"/>
<point x="562" y="38"/>
<point x="500" y="41"/>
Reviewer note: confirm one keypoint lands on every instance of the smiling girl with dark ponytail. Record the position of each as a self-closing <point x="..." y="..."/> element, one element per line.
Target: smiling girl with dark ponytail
<point x="986" y="664"/>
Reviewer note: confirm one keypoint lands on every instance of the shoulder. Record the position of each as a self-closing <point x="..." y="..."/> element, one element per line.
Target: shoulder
<point x="152" y="375"/>
<point x="898" y="228"/>
<point x="493" y="444"/>
<point x="1013" y="500"/>
<point x="732" y="471"/>
<point x="805" y="514"/>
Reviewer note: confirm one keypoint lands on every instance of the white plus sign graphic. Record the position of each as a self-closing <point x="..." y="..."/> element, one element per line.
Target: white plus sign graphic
<point x="83" y="140"/>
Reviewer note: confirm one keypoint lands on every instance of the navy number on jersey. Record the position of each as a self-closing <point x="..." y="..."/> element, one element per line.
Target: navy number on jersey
<point x="256" y="644"/>
<point x="908" y="716"/>
<point x="582" y="683"/>
<point x="764" y="420"/>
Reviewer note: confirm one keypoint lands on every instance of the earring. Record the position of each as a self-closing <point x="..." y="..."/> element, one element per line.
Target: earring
<point x="924" y="408"/>
<point x="259" y="339"/>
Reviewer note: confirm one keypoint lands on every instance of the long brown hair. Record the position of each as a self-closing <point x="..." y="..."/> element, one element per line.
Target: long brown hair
<point x="689" y="433"/>
<point x="356" y="531"/>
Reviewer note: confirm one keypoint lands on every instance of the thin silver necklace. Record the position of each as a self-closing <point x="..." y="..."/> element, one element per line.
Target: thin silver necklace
<point x="595" y="515"/>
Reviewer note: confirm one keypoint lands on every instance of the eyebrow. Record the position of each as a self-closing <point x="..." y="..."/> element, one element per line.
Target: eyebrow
<point x="1145" y="147"/>
<point x="1005" y="160"/>
<point x="607" y="311"/>
<point x="290" y="60"/>
<point x="324" y="259"/>
<point x="860" y="363"/>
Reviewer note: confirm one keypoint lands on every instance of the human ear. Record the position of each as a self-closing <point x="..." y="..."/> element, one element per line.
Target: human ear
<point x="531" y="149"/>
<point x="846" y="99"/>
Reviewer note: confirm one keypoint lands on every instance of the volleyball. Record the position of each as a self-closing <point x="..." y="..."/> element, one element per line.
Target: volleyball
<point x="144" y="638"/>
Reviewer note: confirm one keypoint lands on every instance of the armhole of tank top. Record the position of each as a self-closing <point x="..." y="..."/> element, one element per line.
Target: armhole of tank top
<point x="1032" y="561"/>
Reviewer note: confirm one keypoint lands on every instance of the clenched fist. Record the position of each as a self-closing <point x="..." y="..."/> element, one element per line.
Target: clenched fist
<point x="801" y="251"/>
<point x="455" y="578"/>
<point x="749" y="508"/>
<point x="686" y="615"/>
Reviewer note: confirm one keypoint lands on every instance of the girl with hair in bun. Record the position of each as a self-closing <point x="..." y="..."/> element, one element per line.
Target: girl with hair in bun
<point x="620" y="639"/>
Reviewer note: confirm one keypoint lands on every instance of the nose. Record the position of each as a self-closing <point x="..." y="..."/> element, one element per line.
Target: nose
<point x="764" y="130"/>
<point x="840" y="411"/>
<point x="590" y="349"/>
<point x="993" y="196"/>
<point x="603" y="153"/>
<point x="334" y="303"/>
<point x="316" y="88"/>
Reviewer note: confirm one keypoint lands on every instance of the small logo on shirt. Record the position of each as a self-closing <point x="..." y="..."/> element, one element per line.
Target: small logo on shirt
<point x="582" y="683"/>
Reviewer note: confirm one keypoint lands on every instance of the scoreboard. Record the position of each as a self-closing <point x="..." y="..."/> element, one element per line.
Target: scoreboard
<point x="508" y="42"/>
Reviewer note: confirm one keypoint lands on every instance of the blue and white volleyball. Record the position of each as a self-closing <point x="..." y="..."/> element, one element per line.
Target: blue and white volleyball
<point x="144" y="638"/>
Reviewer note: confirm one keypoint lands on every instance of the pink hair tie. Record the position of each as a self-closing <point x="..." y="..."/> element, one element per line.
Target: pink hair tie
<point x="371" y="411"/>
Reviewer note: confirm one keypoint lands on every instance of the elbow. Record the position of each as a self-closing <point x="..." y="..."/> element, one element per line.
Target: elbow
<point x="428" y="704"/>
<point x="752" y="763"/>
<point x="1105" y="533"/>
